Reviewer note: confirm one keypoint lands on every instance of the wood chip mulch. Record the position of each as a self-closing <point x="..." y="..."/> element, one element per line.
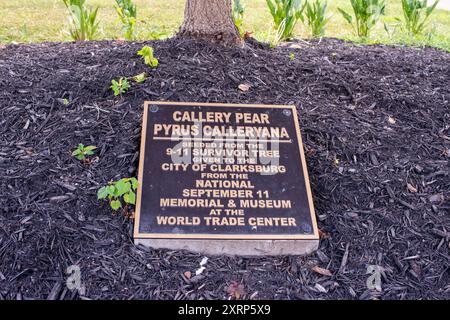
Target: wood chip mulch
<point x="375" y="122"/>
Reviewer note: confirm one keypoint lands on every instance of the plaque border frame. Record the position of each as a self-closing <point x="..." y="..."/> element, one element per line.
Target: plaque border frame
<point x="198" y="236"/>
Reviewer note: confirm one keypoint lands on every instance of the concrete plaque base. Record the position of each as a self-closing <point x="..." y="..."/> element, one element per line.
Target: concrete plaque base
<point x="235" y="247"/>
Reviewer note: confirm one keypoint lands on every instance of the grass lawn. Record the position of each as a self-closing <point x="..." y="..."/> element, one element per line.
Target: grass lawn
<point x="46" y="20"/>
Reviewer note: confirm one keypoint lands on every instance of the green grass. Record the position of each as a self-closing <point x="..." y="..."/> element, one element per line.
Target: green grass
<point x="46" y="20"/>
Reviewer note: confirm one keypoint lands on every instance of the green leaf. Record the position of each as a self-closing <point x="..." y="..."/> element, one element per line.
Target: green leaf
<point x="346" y="15"/>
<point x="430" y="9"/>
<point x="125" y="85"/>
<point x="115" y="204"/>
<point x="140" y="77"/>
<point x="102" y="193"/>
<point x="120" y="86"/>
<point x="134" y="183"/>
<point x="122" y="187"/>
<point x="271" y="7"/>
<point x="130" y="197"/>
<point x="144" y="51"/>
<point x="126" y="197"/>
<point x="147" y="53"/>
<point x="111" y="190"/>
<point x="154" y="62"/>
<point x="90" y="148"/>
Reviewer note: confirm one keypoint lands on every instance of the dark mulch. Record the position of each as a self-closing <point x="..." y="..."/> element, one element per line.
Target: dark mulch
<point x="375" y="120"/>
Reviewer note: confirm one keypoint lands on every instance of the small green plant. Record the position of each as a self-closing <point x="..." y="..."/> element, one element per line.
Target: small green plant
<point x="82" y="152"/>
<point x="120" y="87"/>
<point x="123" y="189"/>
<point x="83" y="20"/>
<point x="65" y="101"/>
<point x="292" y="56"/>
<point x="147" y="53"/>
<point x="139" y="78"/>
<point x="126" y="10"/>
<point x="367" y="13"/>
<point x="286" y="14"/>
<point x="416" y="13"/>
<point x="316" y="18"/>
<point x="238" y="16"/>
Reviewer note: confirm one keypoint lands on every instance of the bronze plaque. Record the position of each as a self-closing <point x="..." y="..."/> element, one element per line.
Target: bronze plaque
<point x="222" y="171"/>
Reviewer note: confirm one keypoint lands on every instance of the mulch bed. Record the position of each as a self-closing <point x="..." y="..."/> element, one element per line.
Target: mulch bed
<point x="375" y="122"/>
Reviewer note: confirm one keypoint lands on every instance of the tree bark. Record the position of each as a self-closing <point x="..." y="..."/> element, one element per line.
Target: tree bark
<point x="210" y="20"/>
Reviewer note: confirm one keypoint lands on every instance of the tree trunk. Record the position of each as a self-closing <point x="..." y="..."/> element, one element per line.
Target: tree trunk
<point x="210" y="20"/>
